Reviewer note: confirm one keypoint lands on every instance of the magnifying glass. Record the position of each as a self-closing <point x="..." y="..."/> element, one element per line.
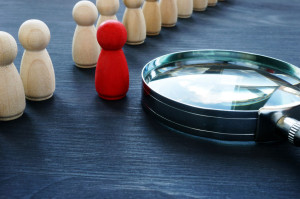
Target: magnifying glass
<point x="226" y="95"/>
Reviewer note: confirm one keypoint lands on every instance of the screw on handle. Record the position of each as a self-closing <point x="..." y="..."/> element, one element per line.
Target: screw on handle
<point x="291" y="128"/>
<point x="294" y="134"/>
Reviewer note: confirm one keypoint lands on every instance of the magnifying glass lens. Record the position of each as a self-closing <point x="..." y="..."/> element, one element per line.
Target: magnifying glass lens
<point x="224" y="86"/>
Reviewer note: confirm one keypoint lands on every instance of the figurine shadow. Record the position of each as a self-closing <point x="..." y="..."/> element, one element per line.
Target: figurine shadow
<point x="41" y="105"/>
<point x="20" y="137"/>
<point x="83" y="72"/>
<point x="116" y="105"/>
<point x="41" y="109"/>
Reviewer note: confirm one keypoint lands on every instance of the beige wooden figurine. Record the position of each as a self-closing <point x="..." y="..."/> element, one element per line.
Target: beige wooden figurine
<point x="152" y="15"/>
<point x="169" y="12"/>
<point x="200" y="5"/>
<point x="36" y="69"/>
<point x="212" y="2"/>
<point x="134" y="22"/>
<point x="85" y="48"/>
<point x="107" y="9"/>
<point x="185" y="8"/>
<point x="12" y="96"/>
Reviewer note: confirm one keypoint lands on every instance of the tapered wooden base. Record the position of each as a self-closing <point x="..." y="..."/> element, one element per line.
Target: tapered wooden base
<point x="184" y="16"/>
<point x="199" y="9"/>
<point x="153" y="33"/>
<point x="168" y="25"/>
<point x="133" y="43"/>
<point x="11" y="117"/>
<point x="212" y="4"/>
<point x="86" y="66"/>
<point x="39" y="98"/>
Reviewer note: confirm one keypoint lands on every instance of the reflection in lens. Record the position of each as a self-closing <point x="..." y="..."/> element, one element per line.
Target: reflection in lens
<point x="222" y="86"/>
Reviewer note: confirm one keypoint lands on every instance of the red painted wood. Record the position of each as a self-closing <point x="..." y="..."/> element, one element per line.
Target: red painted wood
<point x="112" y="76"/>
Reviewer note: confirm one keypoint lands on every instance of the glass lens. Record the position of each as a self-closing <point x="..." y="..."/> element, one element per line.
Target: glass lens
<point x="223" y="85"/>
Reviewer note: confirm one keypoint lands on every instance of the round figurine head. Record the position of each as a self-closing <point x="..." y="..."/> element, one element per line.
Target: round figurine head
<point x="85" y="13"/>
<point x="133" y="3"/>
<point x="108" y="7"/>
<point x="8" y="49"/>
<point x="34" y="35"/>
<point x="111" y="35"/>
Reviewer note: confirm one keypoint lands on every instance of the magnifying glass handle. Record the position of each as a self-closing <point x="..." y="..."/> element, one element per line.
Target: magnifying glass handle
<point x="291" y="128"/>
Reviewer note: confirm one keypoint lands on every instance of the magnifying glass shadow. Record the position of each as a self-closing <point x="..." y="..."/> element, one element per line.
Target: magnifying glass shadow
<point x="279" y="152"/>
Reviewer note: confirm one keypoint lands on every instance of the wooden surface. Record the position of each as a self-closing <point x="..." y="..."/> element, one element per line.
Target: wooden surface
<point x="76" y="145"/>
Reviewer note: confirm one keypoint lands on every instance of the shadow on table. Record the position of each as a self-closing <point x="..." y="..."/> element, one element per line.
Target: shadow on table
<point x="189" y="145"/>
<point x="19" y="136"/>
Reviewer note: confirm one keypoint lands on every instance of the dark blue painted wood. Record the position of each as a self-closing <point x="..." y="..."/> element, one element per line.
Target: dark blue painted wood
<point x="76" y="145"/>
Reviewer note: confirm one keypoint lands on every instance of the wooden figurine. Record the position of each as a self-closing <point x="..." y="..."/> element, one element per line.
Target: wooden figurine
<point x="212" y="2"/>
<point x="112" y="76"/>
<point x="169" y="12"/>
<point x="36" y="69"/>
<point x="134" y="22"/>
<point x="152" y="16"/>
<point x="185" y="8"/>
<point x="107" y="9"/>
<point x="12" y="96"/>
<point x="200" y="5"/>
<point x="85" y="48"/>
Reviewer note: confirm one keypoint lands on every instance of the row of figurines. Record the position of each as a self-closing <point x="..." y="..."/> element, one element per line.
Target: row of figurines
<point x="36" y="80"/>
<point x="147" y="20"/>
<point x="138" y="22"/>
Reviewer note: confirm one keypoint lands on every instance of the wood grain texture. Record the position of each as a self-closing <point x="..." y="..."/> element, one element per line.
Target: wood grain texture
<point x="12" y="96"/>
<point x="152" y="16"/>
<point x="169" y="13"/>
<point x="200" y="5"/>
<point x="212" y="2"/>
<point x="36" y="68"/>
<point x="85" y="48"/>
<point x="134" y="21"/>
<point x="76" y="145"/>
<point x="107" y="10"/>
<point x="185" y="8"/>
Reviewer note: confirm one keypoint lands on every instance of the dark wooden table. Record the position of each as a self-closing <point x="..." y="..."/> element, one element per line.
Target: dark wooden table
<point x="76" y="145"/>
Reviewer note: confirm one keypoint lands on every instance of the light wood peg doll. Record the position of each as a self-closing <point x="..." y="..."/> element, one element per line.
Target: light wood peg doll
<point x="152" y="16"/>
<point x="169" y="13"/>
<point x="134" y="22"/>
<point x="36" y="68"/>
<point x="12" y="96"/>
<point x="107" y="10"/>
<point x="85" y="48"/>
<point x="200" y="5"/>
<point x="185" y="8"/>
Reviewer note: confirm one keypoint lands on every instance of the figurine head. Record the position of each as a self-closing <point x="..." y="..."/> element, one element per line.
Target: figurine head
<point x="85" y="13"/>
<point x="8" y="49"/>
<point x="34" y="35"/>
<point x="112" y="35"/>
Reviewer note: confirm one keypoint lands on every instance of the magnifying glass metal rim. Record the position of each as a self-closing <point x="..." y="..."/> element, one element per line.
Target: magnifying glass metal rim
<point x="212" y="123"/>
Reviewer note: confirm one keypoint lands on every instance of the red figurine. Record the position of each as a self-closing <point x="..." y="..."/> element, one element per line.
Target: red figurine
<point x="112" y="76"/>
